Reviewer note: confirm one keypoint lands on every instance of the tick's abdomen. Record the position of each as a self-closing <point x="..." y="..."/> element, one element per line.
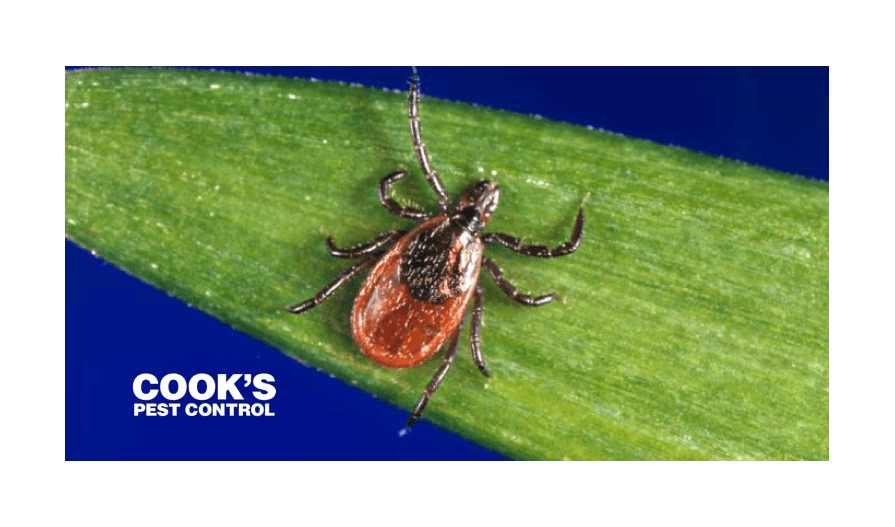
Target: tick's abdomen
<point x="416" y="295"/>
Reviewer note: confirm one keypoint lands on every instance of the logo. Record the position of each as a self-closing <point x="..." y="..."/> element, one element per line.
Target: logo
<point x="203" y="387"/>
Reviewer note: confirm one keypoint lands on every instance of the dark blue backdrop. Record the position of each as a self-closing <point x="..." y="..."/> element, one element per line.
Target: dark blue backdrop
<point x="118" y="327"/>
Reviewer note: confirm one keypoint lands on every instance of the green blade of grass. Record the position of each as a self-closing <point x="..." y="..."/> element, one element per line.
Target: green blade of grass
<point x="692" y="322"/>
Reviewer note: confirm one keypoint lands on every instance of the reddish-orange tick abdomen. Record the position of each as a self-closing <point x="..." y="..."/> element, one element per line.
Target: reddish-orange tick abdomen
<point x="397" y="330"/>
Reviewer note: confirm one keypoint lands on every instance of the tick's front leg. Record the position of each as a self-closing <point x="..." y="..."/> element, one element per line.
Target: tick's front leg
<point x="413" y="114"/>
<point x="515" y="244"/>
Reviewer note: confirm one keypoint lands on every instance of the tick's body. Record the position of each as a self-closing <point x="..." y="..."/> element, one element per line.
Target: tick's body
<point x="417" y="294"/>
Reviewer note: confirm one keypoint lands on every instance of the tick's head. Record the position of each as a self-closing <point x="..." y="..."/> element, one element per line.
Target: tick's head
<point x="478" y="203"/>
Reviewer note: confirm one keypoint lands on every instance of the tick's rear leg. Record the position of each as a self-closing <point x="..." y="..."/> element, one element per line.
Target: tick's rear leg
<point x="475" y="331"/>
<point x="340" y="280"/>
<point x="392" y="205"/>
<point x="515" y="244"/>
<point x="510" y="289"/>
<point x="436" y="380"/>
<point x="363" y="249"/>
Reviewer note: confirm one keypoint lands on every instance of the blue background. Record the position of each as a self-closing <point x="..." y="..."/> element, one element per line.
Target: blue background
<point x="118" y="327"/>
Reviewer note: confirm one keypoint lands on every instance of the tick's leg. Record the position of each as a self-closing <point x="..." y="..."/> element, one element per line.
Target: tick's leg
<point x="335" y="284"/>
<point x="436" y="380"/>
<point x="511" y="290"/>
<point x="515" y="244"/>
<point x="475" y="331"/>
<point x="392" y="205"/>
<point x="363" y="249"/>
<point x="421" y="153"/>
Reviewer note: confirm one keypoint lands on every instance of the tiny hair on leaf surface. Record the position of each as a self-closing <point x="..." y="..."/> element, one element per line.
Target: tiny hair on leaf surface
<point x="692" y="323"/>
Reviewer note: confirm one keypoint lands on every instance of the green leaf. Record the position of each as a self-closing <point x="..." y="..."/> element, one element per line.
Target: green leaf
<point x="692" y="323"/>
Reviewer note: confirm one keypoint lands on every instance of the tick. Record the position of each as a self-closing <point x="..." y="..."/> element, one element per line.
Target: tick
<point x="417" y="294"/>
